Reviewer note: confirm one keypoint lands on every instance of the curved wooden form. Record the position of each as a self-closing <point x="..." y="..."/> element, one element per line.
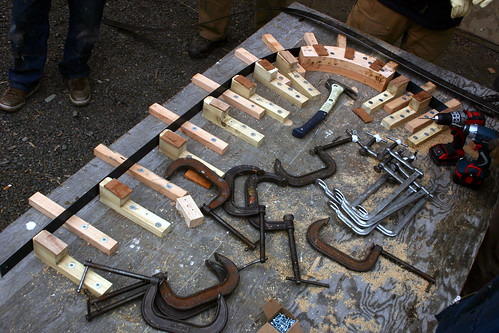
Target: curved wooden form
<point x="347" y="62"/>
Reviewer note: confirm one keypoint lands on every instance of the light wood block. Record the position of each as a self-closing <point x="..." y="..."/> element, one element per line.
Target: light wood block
<point x="272" y="43"/>
<point x="53" y="252"/>
<point x="265" y="73"/>
<point x="395" y="88"/>
<point x="290" y="63"/>
<point x="357" y="68"/>
<point x="419" y="123"/>
<point x="149" y="178"/>
<point x="229" y="96"/>
<point x="189" y="211"/>
<point x="416" y="106"/>
<point x="115" y="193"/>
<point x="174" y="147"/>
<point x="247" y="89"/>
<point x="214" y="111"/>
<point x="191" y="130"/>
<point x="78" y="226"/>
<point x="309" y="38"/>
<point x="341" y="41"/>
<point x="424" y="134"/>
<point x="246" y="56"/>
<point x="404" y="99"/>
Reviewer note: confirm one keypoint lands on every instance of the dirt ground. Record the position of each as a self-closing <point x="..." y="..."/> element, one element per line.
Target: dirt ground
<point x="49" y="139"/>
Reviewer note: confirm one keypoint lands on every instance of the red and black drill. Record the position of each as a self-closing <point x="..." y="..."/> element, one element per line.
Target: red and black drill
<point x="465" y="124"/>
<point x="450" y="153"/>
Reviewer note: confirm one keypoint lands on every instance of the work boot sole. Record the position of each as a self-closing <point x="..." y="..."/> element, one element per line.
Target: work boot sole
<point x="80" y="103"/>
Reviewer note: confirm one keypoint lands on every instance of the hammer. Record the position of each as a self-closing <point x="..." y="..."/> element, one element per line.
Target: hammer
<point x="335" y="88"/>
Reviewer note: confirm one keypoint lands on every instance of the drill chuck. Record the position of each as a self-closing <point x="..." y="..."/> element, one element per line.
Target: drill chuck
<point x="455" y="118"/>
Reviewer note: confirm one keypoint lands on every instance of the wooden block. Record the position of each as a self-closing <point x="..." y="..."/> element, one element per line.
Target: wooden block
<point x="133" y="211"/>
<point x="398" y="103"/>
<point x="82" y="229"/>
<point x="121" y="191"/>
<point x="366" y="118"/>
<point x="265" y="73"/>
<point x="321" y="50"/>
<point x="247" y="88"/>
<point x="398" y="85"/>
<point x="377" y="102"/>
<point x="171" y="144"/>
<point x="174" y="146"/>
<point x="190" y="129"/>
<point x="341" y="41"/>
<point x="149" y="178"/>
<point x="230" y="97"/>
<point x="272" y="43"/>
<point x="419" y="123"/>
<point x="245" y="56"/>
<point x="220" y="117"/>
<point x="377" y="65"/>
<point x="53" y="252"/>
<point x="349" y="53"/>
<point x="286" y="62"/>
<point x="196" y="178"/>
<point x="189" y="211"/>
<point x="418" y="103"/>
<point x="309" y="38"/>
<point x="429" y="87"/>
<point x="424" y="134"/>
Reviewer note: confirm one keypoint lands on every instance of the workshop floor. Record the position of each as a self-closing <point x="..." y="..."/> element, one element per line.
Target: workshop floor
<point x="49" y="139"/>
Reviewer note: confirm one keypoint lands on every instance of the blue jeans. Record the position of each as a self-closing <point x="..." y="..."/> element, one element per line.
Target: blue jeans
<point x="29" y="33"/>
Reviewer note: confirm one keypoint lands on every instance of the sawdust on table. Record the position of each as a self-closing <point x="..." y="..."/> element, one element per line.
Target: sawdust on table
<point x="362" y="325"/>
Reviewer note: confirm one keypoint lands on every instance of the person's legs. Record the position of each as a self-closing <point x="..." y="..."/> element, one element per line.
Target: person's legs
<point x="210" y="10"/>
<point x="377" y="20"/>
<point x="28" y="37"/>
<point x="84" y="22"/>
<point x="427" y="43"/>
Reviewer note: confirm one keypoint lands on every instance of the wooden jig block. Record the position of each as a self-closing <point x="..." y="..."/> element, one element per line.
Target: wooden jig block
<point x="424" y="134"/>
<point x="230" y="97"/>
<point x="288" y="65"/>
<point x="82" y="229"/>
<point x="174" y="147"/>
<point x="54" y="252"/>
<point x="215" y="111"/>
<point x="247" y="88"/>
<point x="404" y="99"/>
<point x="149" y="178"/>
<point x="189" y="129"/>
<point x="416" y="106"/>
<point x="395" y="88"/>
<point x="310" y="39"/>
<point x="266" y="74"/>
<point x="189" y="211"/>
<point x="357" y="68"/>
<point x="366" y="118"/>
<point x="116" y="195"/>
<point x="425" y="119"/>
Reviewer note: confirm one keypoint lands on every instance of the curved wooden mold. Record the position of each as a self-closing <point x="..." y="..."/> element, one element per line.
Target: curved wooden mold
<point x="347" y="62"/>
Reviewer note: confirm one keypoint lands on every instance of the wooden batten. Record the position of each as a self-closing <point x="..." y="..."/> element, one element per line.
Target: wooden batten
<point x="147" y="177"/>
<point x="78" y="226"/>
<point x="417" y="105"/>
<point x="116" y="196"/>
<point x="53" y="252"/>
<point x="191" y="130"/>
<point x="425" y="119"/>
<point x="395" y="88"/>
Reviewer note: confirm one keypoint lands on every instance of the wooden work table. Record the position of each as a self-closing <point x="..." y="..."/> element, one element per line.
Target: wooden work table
<point x="442" y="240"/>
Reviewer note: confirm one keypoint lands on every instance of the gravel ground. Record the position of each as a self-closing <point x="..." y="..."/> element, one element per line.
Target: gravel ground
<point x="49" y="139"/>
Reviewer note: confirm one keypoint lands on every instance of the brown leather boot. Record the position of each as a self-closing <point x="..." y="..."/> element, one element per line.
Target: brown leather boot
<point x="79" y="91"/>
<point x="13" y="99"/>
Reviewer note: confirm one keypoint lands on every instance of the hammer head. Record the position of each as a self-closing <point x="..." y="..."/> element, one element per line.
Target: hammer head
<point x="347" y="90"/>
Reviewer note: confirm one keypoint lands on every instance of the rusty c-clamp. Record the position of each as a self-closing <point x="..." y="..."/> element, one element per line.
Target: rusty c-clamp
<point x="223" y="192"/>
<point x="172" y="305"/>
<point x="309" y="178"/>
<point x="161" y="322"/>
<point x="363" y="265"/>
<point x="230" y="177"/>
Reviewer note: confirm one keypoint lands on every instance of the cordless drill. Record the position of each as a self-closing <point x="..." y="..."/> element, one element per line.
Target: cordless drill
<point x="471" y="174"/>
<point x="450" y="153"/>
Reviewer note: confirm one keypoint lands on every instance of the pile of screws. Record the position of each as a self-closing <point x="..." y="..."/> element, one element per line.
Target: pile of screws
<point x="282" y="323"/>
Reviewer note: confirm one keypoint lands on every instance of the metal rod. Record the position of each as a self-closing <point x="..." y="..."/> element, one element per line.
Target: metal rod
<point x="117" y="271"/>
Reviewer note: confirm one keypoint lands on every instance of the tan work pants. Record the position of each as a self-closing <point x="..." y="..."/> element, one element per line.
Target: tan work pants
<point x="212" y="9"/>
<point x="374" y="18"/>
